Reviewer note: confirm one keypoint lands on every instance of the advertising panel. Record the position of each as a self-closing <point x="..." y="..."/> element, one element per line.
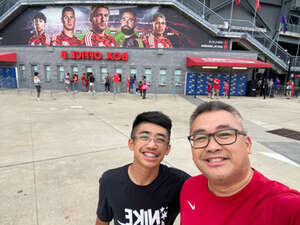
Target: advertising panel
<point x="108" y="26"/>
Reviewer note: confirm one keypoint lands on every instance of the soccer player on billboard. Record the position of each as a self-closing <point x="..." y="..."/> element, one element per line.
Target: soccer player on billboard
<point x="157" y="39"/>
<point x="128" y="23"/>
<point x="66" y="36"/>
<point x="99" y="16"/>
<point x="40" y="38"/>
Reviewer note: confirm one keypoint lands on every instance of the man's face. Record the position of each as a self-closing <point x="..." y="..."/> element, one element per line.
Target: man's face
<point x="149" y="154"/>
<point x="159" y="26"/>
<point x="100" y="19"/>
<point x="68" y="20"/>
<point x="221" y="163"/>
<point x="39" y="25"/>
<point x="127" y="23"/>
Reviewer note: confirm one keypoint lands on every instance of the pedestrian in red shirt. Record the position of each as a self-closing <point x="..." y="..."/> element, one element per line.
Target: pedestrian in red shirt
<point x="216" y="86"/>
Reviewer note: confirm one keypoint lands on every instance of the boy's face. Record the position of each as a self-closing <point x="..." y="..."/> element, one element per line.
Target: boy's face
<point x="150" y="144"/>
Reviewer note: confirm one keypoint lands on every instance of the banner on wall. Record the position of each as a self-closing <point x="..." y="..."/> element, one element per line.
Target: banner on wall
<point x="108" y="26"/>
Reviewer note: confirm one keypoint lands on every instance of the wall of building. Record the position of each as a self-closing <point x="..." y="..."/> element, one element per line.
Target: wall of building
<point x="140" y="59"/>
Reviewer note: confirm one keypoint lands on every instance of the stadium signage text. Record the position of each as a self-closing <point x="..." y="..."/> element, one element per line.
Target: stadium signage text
<point x="89" y="55"/>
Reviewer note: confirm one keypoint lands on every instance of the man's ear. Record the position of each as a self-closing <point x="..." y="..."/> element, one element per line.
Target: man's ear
<point x="130" y="144"/>
<point x="248" y="143"/>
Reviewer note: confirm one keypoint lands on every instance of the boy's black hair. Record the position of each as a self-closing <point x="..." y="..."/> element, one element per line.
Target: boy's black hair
<point x="155" y="117"/>
<point x="40" y="16"/>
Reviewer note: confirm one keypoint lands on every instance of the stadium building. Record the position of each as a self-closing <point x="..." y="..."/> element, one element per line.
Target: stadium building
<point x="178" y="45"/>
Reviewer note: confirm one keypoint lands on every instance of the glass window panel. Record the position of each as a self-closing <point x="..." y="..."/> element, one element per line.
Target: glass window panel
<point x="177" y="77"/>
<point x="75" y="70"/>
<point x="148" y="74"/>
<point x="89" y="69"/>
<point x="22" y="72"/>
<point x="61" y="73"/>
<point x="119" y="70"/>
<point x="103" y="71"/>
<point x="47" y="73"/>
<point x="133" y="71"/>
<point x="162" y="76"/>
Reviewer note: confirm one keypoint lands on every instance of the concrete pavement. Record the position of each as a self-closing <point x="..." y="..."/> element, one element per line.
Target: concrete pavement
<point x="53" y="152"/>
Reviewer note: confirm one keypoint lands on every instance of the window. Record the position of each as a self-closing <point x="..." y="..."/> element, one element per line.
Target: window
<point x="34" y="68"/>
<point x="47" y="73"/>
<point x="22" y="72"/>
<point x="119" y="71"/>
<point x="177" y="78"/>
<point x="103" y="72"/>
<point x="89" y="69"/>
<point x="162" y="76"/>
<point x="61" y="73"/>
<point x="148" y="74"/>
<point x="133" y="71"/>
<point x="74" y="70"/>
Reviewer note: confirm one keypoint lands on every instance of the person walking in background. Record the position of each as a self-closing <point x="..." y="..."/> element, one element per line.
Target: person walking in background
<point x="92" y="83"/>
<point x="67" y="82"/>
<point x="289" y="86"/>
<point x="83" y="82"/>
<point x="145" y="87"/>
<point x="116" y="81"/>
<point x="230" y="190"/>
<point x="270" y="87"/>
<point x="226" y="86"/>
<point x="107" y="83"/>
<point x="75" y="82"/>
<point x="128" y="84"/>
<point x="140" y="88"/>
<point x="216" y="86"/>
<point x="37" y="84"/>
<point x="277" y="83"/>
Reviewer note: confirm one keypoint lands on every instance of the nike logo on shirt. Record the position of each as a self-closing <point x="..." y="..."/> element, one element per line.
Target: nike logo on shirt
<point x="192" y="206"/>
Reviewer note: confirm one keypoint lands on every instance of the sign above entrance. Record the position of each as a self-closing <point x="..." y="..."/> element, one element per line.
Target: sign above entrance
<point x="89" y="55"/>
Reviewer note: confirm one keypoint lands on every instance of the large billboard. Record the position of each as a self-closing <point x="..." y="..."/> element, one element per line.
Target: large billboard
<point x="108" y="26"/>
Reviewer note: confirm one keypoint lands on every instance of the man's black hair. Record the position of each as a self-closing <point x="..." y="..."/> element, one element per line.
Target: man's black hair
<point x="39" y="15"/>
<point x="155" y="117"/>
<point x="36" y="73"/>
<point x="67" y="9"/>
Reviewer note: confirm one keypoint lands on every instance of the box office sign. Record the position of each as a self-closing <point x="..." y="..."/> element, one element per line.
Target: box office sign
<point x="90" y="55"/>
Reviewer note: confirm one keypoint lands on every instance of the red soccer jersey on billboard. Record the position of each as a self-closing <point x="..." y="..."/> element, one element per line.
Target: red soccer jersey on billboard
<point x="154" y="42"/>
<point x="93" y="39"/>
<point x="39" y="40"/>
<point x="63" y="40"/>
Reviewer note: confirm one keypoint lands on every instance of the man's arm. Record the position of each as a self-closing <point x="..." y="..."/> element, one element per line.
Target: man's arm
<point x="99" y="222"/>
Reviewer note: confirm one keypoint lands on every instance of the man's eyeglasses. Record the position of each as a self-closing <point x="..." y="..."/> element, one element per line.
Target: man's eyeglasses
<point x="222" y="137"/>
<point x="159" y="140"/>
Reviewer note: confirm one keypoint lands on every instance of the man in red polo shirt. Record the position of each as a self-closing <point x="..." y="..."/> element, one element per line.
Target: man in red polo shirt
<point x="216" y="86"/>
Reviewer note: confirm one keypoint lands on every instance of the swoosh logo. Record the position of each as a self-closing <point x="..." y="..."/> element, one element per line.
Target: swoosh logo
<point x="191" y="205"/>
<point x="121" y="223"/>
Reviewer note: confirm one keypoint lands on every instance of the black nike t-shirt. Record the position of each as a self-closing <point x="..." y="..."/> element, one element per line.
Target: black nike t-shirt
<point x="127" y="203"/>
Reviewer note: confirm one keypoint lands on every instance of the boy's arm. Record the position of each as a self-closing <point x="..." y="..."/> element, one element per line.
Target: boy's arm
<point x="99" y="222"/>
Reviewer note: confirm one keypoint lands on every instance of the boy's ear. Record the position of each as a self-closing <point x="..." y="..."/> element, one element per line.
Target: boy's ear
<point x="130" y="144"/>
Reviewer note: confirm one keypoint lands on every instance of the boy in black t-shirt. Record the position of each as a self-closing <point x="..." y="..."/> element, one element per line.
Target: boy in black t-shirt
<point x="145" y="191"/>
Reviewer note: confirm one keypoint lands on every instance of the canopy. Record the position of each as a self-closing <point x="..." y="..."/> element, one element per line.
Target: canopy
<point x="225" y="62"/>
<point x="8" y="57"/>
